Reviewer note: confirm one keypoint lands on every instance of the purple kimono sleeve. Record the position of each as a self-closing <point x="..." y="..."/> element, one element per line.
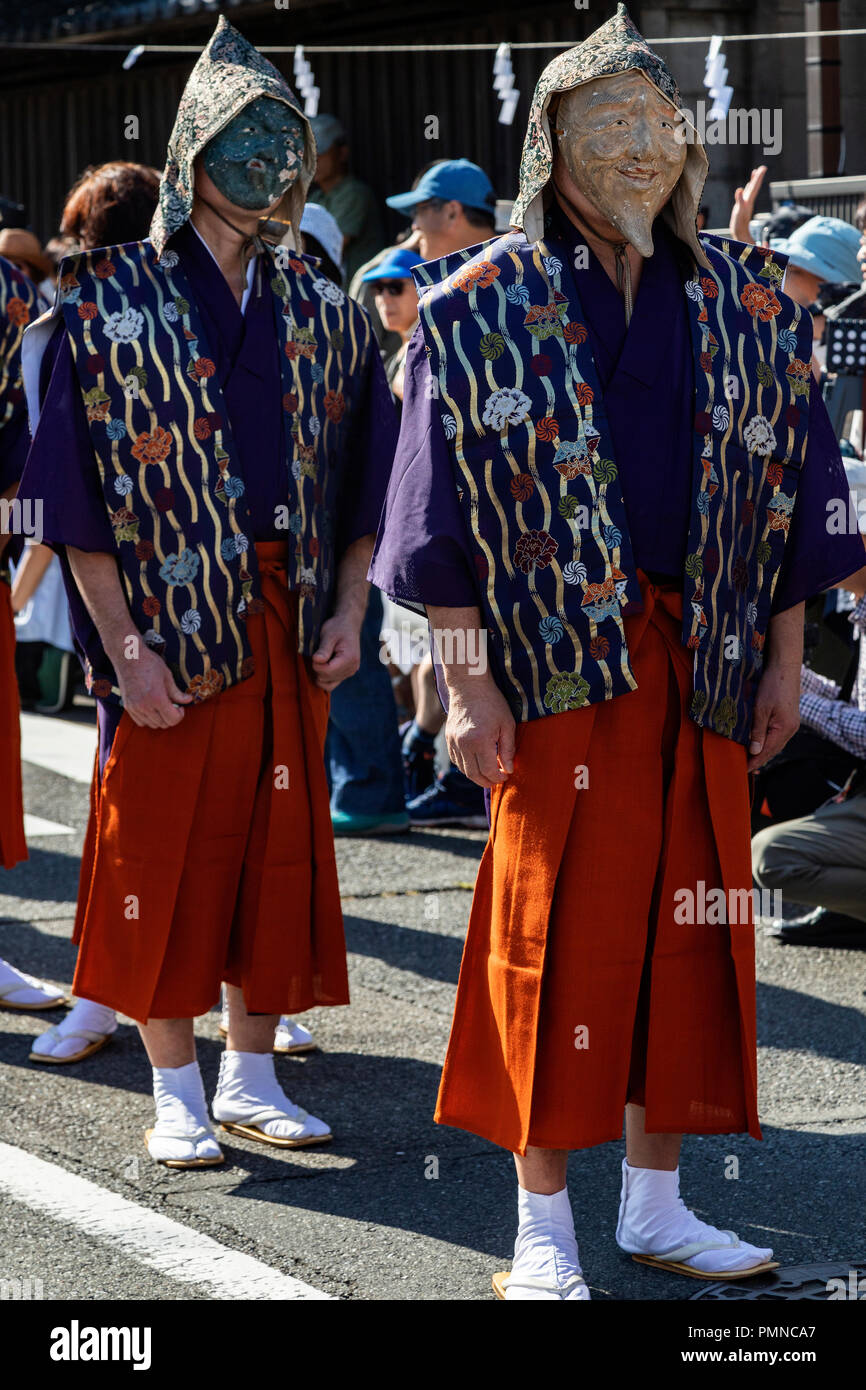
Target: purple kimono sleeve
<point x="61" y="472"/>
<point x="816" y="557"/>
<point x="369" y="457"/>
<point x="422" y="553"/>
<point x="14" y="443"/>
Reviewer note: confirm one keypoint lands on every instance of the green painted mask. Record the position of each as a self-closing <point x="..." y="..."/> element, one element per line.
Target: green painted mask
<point x="255" y="158"/>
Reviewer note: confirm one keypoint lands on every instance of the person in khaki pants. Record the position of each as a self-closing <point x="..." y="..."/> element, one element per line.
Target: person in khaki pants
<point x="821" y="858"/>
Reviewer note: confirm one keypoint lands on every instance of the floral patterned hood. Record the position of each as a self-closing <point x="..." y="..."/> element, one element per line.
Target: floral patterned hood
<point x="613" y="48"/>
<point x="229" y="75"/>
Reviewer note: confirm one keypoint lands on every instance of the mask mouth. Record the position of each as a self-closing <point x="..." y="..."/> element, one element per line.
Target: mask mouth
<point x="639" y="174"/>
<point x="256" y="166"/>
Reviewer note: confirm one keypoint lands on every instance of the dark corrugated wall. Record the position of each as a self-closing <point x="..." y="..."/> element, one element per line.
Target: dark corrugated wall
<point x="49" y="133"/>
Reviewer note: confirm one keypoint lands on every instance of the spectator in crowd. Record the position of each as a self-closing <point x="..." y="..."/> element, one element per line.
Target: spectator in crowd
<point x="12" y="214"/>
<point x="362" y="290"/>
<point x="349" y="201"/>
<point x="108" y="202"/>
<point x="22" y="248"/>
<point x="860" y="224"/>
<point x="321" y="237"/>
<point x="19" y="305"/>
<point x="785" y="220"/>
<point x="397" y="306"/>
<point x="43" y="637"/>
<point x="820" y="859"/>
<point x="452" y="207"/>
<point x="362" y="751"/>
<point x="822" y="250"/>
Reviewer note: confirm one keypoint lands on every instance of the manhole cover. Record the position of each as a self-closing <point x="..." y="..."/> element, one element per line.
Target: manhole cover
<point x="840" y="1280"/>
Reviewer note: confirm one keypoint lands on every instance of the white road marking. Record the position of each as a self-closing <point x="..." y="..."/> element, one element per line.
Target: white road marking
<point x="35" y="825"/>
<point x="148" y="1237"/>
<point x="59" y="745"/>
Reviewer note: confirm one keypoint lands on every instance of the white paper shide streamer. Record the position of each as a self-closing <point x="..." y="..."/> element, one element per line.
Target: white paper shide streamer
<point x="503" y="84"/>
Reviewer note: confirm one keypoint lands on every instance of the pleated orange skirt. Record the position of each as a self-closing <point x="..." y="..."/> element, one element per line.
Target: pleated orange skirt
<point x="210" y="854"/>
<point x="13" y="846"/>
<point x="579" y="988"/>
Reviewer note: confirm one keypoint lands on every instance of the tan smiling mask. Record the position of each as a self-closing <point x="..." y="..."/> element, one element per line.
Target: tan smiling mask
<point x="617" y="138"/>
<point x="609" y="109"/>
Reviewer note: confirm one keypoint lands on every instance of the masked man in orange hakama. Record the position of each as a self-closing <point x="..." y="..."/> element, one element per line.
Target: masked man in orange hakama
<point x="612" y="472"/>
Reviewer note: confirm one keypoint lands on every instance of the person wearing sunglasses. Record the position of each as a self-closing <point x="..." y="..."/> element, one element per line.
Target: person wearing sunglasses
<point x="397" y="306"/>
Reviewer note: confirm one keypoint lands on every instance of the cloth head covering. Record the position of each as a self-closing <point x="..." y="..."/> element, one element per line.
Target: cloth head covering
<point x="229" y="75"/>
<point x="613" y="48"/>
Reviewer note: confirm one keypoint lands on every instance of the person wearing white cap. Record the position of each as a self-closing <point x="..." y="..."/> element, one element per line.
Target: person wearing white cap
<point x="322" y="238"/>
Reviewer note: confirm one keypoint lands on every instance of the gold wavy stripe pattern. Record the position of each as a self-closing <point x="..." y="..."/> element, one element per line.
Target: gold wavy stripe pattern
<point x="472" y="487"/>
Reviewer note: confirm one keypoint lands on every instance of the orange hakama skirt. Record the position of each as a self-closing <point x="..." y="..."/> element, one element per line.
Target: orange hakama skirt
<point x="210" y="854"/>
<point x="13" y="846"/>
<point x="579" y="989"/>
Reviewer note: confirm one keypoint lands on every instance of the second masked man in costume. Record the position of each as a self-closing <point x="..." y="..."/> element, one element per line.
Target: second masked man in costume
<point x="613" y="465"/>
<point x="225" y="434"/>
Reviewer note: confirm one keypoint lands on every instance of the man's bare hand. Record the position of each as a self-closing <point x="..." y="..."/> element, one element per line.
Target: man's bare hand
<point x="338" y="654"/>
<point x="480" y="731"/>
<point x="776" y="716"/>
<point x="744" y="205"/>
<point x="149" y="694"/>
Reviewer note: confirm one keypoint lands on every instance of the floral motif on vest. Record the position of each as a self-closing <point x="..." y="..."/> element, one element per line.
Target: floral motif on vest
<point x="752" y="376"/>
<point x="523" y="412"/>
<point x="170" y="469"/>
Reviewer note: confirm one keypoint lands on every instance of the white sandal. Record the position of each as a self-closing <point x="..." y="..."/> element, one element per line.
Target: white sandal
<point x="674" y="1260"/>
<point x="56" y="1001"/>
<point x="292" y="1038"/>
<point x="93" y="1041"/>
<point x="527" y="1281"/>
<point x="251" y="1128"/>
<point x="184" y="1136"/>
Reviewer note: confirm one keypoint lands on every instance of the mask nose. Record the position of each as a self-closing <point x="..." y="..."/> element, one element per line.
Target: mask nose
<point x="266" y="148"/>
<point x="642" y="143"/>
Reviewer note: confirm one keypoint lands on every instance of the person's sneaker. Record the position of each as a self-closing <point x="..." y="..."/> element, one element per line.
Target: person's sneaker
<point x="451" y="800"/>
<point x="419" y="753"/>
<point x="825" y="929"/>
<point x="391" y="823"/>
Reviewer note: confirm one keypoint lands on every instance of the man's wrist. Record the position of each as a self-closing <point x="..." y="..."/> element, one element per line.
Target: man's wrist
<point x="351" y="608"/>
<point x="122" y="647"/>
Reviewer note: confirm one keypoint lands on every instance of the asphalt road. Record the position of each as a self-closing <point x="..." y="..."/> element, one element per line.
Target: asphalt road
<point x="396" y="1207"/>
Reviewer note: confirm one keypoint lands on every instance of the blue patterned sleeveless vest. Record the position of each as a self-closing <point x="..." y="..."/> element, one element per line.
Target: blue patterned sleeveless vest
<point x="537" y="480"/>
<point x="170" y="471"/>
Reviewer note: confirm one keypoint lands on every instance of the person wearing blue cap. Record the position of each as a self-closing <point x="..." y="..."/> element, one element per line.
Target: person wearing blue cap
<point x="397" y="307"/>
<point x="452" y="206"/>
<point x="362" y="751"/>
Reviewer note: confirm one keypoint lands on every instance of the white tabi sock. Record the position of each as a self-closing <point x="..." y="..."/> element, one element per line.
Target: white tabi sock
<point x="248" y="1093"/>
<point x="654" y="1220"/>
<point x="182" y="1129"/>
<point x="25" y="990"/>
<point x="86" y="1020"/>
<point x="546" y="1261"/>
